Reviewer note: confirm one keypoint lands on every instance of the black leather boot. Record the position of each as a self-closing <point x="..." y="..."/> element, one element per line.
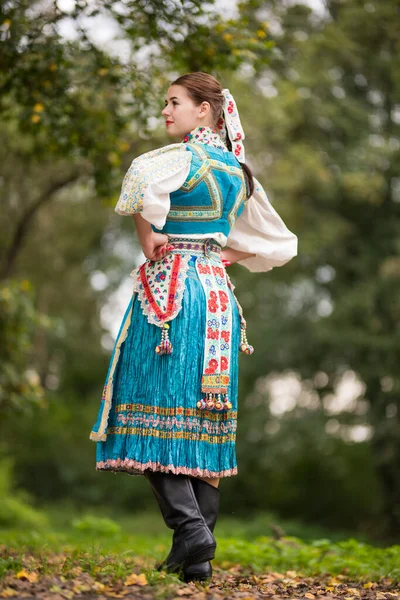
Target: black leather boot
<point x="208" y="498"/>
<point x="192" y="540"/>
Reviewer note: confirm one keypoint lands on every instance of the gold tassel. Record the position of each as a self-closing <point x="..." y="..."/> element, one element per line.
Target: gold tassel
<point x="165" y="347"/>
<point x="244" y="344"/>
<point x="213" y="400"/>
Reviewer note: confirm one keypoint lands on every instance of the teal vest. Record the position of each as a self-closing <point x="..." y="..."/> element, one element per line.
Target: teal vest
<point x="211" y="198"/>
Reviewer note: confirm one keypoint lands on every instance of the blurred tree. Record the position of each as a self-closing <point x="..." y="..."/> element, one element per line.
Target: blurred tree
<point x="77" y="103"/>
<point x="324" y="139"/>
<point x="68" y="108"/>
<point x="320" y="111"/>
<point x="73" y="114"/>
<point x="20" y="386"/>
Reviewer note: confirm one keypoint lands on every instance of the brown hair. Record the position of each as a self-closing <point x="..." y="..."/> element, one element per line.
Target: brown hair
<point x="203" y="87"/>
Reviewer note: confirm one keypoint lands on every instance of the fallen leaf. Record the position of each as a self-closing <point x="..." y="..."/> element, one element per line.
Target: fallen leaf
<point x="186" y="591"/>
<point x="134" y="579"/>
<point x="98" y="586"/>
<point x="79" y="588"/>
<point x="30" y="576"/>
<point x="353" y="591"/>
<point x="308" y="595"/>
<point x="8" y="593"/>
<point x="114" y="592"/>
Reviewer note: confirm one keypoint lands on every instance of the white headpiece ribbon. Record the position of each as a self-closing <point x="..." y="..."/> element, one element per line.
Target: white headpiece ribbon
<point x="231" y="127"/>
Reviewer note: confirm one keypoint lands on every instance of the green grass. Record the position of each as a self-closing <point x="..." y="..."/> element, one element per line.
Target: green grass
<point x="97" y="543"/>
<point x="248" y="528"/>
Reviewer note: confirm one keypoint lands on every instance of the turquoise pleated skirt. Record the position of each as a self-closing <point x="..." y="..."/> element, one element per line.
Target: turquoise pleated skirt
<point x="153" y="421"/>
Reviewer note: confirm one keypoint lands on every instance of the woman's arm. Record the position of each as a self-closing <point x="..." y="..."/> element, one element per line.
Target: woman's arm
<point x="232" y="256"/>
<point x="154" y="245"/>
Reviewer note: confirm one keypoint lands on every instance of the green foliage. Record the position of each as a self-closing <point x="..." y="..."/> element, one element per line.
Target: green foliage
<point x="15" y="506"/>
<point x="96" y="525"/>
<point x="323" y="138"/>
<point x="89" y="547"/>
<point x="318" y="101"/>
<point x="321" y="556"/>
<point x="75" y="100"/>
<point x="20" y="384"/>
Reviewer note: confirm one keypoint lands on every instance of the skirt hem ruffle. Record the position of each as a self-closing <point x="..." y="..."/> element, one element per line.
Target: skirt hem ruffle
<point x="136" y="468"/>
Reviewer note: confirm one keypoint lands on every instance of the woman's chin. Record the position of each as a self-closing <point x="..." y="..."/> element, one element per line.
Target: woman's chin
<point x="173" y="133"/>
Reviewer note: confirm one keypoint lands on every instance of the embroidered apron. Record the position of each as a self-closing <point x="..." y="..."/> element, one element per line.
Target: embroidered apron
<point x="160" y="286"/>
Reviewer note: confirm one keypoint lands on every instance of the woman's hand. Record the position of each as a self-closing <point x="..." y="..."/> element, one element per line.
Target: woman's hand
<point x="156" y="246"/>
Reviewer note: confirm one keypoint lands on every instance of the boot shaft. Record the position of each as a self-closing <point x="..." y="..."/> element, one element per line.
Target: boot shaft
<point x="208" y="498"/>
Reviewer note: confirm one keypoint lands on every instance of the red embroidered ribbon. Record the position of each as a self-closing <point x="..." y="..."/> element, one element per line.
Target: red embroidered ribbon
<point x="171" y="290"/>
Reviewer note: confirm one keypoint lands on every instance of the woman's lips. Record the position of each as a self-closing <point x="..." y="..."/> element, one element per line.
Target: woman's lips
<point x="168" y="122"/>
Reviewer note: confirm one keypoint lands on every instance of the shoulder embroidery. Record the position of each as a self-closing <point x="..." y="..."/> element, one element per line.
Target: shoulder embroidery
<point x="145" y="169"/>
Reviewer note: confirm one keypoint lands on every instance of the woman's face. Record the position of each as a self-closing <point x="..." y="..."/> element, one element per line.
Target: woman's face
<point x="181" y="113"/>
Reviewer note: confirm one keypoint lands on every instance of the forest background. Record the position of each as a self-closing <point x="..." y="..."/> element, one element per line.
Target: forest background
<point x="318" y="89"/>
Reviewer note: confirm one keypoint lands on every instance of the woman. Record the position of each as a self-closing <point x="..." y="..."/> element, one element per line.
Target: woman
<point x="169" y="407"/>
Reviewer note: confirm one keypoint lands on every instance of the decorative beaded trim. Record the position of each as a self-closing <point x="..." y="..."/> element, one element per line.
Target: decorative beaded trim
<point x="192" y="436"/>
<point x="136" y="467"/>
<point x="166" y="423"/>
<point x="176" y="411"/>
<point x="195" y="247"/>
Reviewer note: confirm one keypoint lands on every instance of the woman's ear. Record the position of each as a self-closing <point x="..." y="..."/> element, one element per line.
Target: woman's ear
<point x="204" y="109"/>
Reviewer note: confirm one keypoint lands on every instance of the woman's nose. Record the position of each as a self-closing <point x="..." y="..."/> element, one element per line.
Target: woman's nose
<point x="164" y="112"/>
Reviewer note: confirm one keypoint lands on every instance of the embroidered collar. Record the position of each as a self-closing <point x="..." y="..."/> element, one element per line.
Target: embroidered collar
<point x="205" y="135"/>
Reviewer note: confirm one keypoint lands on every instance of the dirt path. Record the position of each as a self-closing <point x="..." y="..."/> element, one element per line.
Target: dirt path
<point x="232" y="583"/>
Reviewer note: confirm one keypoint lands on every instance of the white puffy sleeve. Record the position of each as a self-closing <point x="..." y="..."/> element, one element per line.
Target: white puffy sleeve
<point x="260" y="230"/>
<point x="149" y="181"/>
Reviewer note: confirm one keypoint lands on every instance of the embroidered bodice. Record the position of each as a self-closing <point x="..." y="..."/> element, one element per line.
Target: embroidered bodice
<point x="197" y="187"/>
<point x="213" y="194"/>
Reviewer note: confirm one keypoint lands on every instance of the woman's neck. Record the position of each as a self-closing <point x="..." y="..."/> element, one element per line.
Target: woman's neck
<point x="205" y="135"/>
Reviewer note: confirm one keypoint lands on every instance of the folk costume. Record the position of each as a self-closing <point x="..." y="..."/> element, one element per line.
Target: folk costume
<point x="170" y="400"/>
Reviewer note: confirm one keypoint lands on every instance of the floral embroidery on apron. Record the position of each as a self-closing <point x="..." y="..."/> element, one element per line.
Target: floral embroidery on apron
<point x="217" y="346"/>
<point x="160" y="286"/>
